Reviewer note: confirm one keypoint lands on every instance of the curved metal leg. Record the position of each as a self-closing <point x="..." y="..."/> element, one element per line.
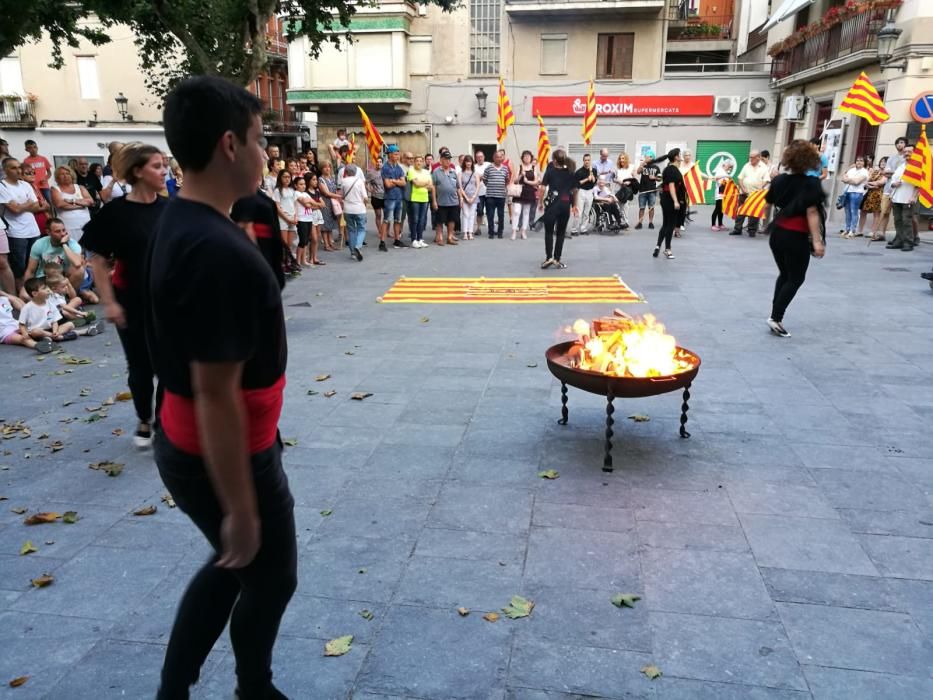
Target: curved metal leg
<point x="563" y="405"/>
<point x="610" y="409"/>
<point x="683" y="413"/>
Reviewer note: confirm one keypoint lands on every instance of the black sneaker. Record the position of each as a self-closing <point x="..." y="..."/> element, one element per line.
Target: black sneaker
<point x="382" y="247"/>
<point x="357" y="254"/>
<point x="638" y="226"/>
<point x="907" y="247"/>
<point x="143" y="436"/>
<point x="656" y="252"/>
<point x="397" y="243"/>
<point x="650" y="225"/>
<point x="927" y="276"/>
<point x="735" y="233"/>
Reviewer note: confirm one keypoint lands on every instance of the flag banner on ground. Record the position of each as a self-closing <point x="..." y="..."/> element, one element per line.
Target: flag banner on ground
<point x="544" y="145"/>
<point x="373" y="138"/>
<point x="863" y="101"/>
<point x="589" y="115"/>
<point x="919" y="169"/>
<point x="505" y="117"/>
<point x="510" y="290"/>
<point x="693" y="182"/>
<point x="754" y="205"/>
<point x="730" y="199"/>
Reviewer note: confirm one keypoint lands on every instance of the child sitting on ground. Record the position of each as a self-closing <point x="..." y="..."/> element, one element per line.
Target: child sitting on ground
<point x="67" y="302"/>
<point x="9" y="327"/>
<point x="39" y="319"/>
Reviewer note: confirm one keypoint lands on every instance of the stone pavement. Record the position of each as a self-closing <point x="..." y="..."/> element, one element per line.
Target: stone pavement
<point x="784" y="552"/>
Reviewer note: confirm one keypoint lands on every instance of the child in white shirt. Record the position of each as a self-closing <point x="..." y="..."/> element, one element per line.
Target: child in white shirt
<point x="9" y="327"/>
<point x="67" y="301"/>
<point x="39" y="319"/>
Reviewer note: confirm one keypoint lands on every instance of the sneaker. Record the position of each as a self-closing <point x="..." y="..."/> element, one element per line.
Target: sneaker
<point x="777" y="328"/>
<point x="656" y="252"/>
<point x="398" y="244"/>
<point x="382" y="247"/>
<point x="650" y="225"/>
<point x="733" y="232"/>
<point x="547" y="263"/>
<point x="560" y="265"/>
<point x="358" y="254"/>
<point x="44" y="346"/>
<point x="638" y="226"/>
<point x="142" y="438"/>
<point x="668" y="254"/>
<point x="925" y="275"/>
<point x="907" y="247"/>
<point x="70" y="335"/>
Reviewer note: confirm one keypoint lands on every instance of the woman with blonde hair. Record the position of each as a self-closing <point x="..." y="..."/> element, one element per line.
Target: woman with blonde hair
<point x="627" y="185"/>
<point x="72" y="202"/>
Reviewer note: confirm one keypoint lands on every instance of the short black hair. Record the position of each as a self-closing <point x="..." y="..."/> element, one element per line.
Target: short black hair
<point x="30" y="142"/>
<point x="899" y="139"/>
<point x="765" y="154"/>
<point x="32" y="285"/>
<point x="53" y="220"/>
<point x="198" y="111"/>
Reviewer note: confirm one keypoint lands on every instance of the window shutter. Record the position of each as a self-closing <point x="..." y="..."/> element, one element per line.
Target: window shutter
<point x="602" y="56"/>
<point x="623" y="49"/>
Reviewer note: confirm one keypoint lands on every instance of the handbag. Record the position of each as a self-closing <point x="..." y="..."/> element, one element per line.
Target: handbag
<point x="514" y="190"/>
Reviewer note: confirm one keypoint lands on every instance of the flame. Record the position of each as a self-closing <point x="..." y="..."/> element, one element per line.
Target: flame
<point x="637" y="347"/>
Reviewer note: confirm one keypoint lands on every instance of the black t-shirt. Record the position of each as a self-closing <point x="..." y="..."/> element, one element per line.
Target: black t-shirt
<point x="793" y="194"/>
<point x="91" y="184"/>
<point x="259" y="210"/>
<point x="582" y="174"/>
<point x="670" y="175"/>
<point x="648" y="173"/>
<point x="562" y="182"/>
<point x="122" y="230"/>
<point x="213" y="299"/>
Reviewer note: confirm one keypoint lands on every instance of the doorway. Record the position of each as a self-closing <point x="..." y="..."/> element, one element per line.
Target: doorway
<point x="488" y="149"/>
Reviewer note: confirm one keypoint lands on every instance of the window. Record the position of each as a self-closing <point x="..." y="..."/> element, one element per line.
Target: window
<point x="553" y="54"/>
<point x="87" y="78"/>
<point x="484" y="36"/>
<point x="420" y="49"/>
<point x="11" y="77"/>
<point x="614" y="56"/>
<point x="824" y="112"/>
<point x="867" y="138"/>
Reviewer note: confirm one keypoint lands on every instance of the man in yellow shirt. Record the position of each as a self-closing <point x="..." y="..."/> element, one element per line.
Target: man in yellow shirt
<point x="754" y="176"/>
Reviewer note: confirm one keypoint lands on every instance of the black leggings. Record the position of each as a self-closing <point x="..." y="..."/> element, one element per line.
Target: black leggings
<point x="141" y="376"/>
<point x="671" y="219"/>
<point x="304" y="233"/>
<point x="253" y="599"/>
<point x="717" y="214"/>
<point x="791" y="250"/>
<point x="558" y="215"/>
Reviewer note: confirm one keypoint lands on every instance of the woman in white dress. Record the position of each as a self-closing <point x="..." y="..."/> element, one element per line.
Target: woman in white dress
<point x="72" y="202"/>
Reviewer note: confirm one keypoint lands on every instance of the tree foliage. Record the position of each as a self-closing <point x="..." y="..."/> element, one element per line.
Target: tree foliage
<point x="177" y="38"/>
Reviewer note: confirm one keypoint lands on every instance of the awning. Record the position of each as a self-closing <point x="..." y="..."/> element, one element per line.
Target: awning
<point x="788" y="8"/>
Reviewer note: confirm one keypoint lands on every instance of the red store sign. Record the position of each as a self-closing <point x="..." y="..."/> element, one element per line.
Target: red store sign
<point x="625" y="106"/>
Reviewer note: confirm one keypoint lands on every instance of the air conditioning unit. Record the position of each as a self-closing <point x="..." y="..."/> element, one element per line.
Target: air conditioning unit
<point x="794" y="107"/>
<point x="761" y="105"/>
<point x="727" y="104"/>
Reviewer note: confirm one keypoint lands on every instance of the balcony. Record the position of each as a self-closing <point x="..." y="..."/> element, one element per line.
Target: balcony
<point x="17" y="112"/>
<point x="579" y="8"/>
<point x="817" y="49"/>
<point x="275" y="122"/>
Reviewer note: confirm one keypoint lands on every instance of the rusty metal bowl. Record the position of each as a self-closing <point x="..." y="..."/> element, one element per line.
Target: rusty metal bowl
<point x="619" y="387"/>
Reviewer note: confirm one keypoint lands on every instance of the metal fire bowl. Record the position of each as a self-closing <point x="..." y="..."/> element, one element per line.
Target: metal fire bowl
<point x="621" y="387"/>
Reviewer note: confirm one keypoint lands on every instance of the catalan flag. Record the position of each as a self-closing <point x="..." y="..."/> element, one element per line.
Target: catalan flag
<point x="919" y="169"/>
<point x="589" y="116"/>
<point x="505" y="117"/>
<point x="863" y="101"/>
<point x="693" y="181"/>
<point x="351" y="147"/>
<point x="730" y="199"/>
<point x="754" y="205"/>
<point x="373" y="138"/>
<point x="544" y="145"/>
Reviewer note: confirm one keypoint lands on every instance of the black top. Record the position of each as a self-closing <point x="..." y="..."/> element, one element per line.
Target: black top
<point x="93" y="186"/>
<point x="670" y="175"/>
<point x="793" y="194"/>
<point x="582" y="174"/>
<point x="213" y="299"/>
<point x="122" y="230"/>
<point x="259" y="210"/>
<point x="648" y="173"/>
<point x="561" y="182"/>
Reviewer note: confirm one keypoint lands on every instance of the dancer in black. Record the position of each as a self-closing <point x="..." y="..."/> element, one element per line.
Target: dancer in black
<point x="120" y="232"/>
<point x="558" y="200"/>
<point x="673" y="202"/>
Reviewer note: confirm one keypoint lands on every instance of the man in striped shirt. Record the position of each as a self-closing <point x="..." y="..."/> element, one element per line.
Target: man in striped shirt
<point x="496" y="177"/>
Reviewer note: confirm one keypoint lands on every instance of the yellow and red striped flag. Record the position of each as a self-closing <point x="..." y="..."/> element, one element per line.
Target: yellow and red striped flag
<point x="505" y="117"/>
<point x="351" y="147"/>
<point x="373" y="137"/>
<point x="863" y="101"/>
<point x="919" y="169"/>
<point x="589" y="116"/>
<point x="730" y="199"/>
<point x="693" y="182"/>
<point x="544" y="145"/>
<point x="754" y="205"/>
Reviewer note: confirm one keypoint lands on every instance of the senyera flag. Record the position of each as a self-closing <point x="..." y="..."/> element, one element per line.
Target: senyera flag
<point x="919" y="169"/>
<point x="505" y="117"/>
<point x="544" y="145"/>
<point x="863" y="101"/>
<point x="693" y="182"/>
<point x="730" y="199"/>
<point x="754" y="205"/>
<point x="373" y="138"/>
<point x="589" y="115"/>
<point x="351" y="147"/>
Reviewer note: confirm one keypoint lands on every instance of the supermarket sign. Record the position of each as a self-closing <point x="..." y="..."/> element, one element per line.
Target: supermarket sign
<point x="625" y="105"/>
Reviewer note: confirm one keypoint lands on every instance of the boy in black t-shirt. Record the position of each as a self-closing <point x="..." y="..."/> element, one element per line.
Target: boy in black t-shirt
<point x="218" y="449"/>
<point x="257" y="216"/>
<point x="648" y="186"/>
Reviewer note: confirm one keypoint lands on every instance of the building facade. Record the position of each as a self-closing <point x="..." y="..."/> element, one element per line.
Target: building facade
<point x="665" y="75"/>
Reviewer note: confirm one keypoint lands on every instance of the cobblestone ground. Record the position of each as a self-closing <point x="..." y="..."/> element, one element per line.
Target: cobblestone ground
<point x="784" y="552"/>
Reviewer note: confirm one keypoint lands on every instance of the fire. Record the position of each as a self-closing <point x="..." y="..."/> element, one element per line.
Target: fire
<point x="628" y="347"/>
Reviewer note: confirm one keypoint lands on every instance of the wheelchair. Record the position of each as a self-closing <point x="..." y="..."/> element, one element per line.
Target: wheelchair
<point x="604" y="216"/>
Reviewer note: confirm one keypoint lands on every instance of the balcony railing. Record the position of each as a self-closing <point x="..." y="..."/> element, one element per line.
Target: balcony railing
<point x="854" y="34"/>
<point x="16" y="112"/>
<point x="278" y="122"/>
<point x="706" y="28"/>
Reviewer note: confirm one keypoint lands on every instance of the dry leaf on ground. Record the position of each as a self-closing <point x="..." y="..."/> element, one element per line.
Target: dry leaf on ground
<point x="84" y="392"/>
<point x="41" y="518"/>
<point x="322" y="378"/>
<point x="70" y="517"/>
<point x="362" y="571"/>
<point x="626" y="600"/>
<point x="123" y="396"/>
<point x="17" y="682"/>
<point x="549" y="474"/>
<point x="639" y="418"/>
<point x="27" y="548"/>
<point x="360" y="395"/>
<point x="146" y="510"/>
<point x="312" y="392"/>
<point x="366" y="614"/>
<point x="491" y="617"/>
<point x="339" y="646"/>
<point x="425" y="319"/>
<point x="330" y="393"/>
<point x="117" y="432"/>
<point x="532" y="364"/>
<point x="57" y="446"/>
<point x="463" y="611"/>
<point x="43" y="581"/>
<point x="651" y="671"/>
<point x="168" y="500"/>
<point x="327" y="512"/>
<point x="291" y="442"/>
<point x="19" y="510"/>
<point x="518" y="607"/>
<point x="109" y="468"/>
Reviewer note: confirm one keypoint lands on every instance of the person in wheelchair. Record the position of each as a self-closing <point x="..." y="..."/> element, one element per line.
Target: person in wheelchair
<point x="608" y="214"/>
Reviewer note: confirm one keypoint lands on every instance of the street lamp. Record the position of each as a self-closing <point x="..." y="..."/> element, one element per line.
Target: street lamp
<point x="888" y="36"/>
<point x="121" y="101"/>
<point x="481" y="102"/>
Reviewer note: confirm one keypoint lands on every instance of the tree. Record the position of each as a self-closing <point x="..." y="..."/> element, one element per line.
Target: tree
<point x="177" y="38"/>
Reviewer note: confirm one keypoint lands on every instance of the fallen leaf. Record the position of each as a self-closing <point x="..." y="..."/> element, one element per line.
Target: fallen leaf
<point x="312" y="392"/>
<point x="41" y="518"/>
<point x="325" y="513"/>
<point x="425" y="319"/>
<point x="291" y="442"/>
<point x="366" y="614"/>
<point x="360" y="395"/>
<point x="639" y="418"/>
<point x="50" y="542"/>
<point x="322" y="378"/>
<point x="67" y="403"/>
<point x="92" y="409"/>
<point x="28" y="375"/>
<point x="84" y="392"/>
<point x="339" y="646"/>
<point x="362" y="571"/>
<point x="43" y="436"/>
<point x="491" y="617"/>
<point x="341" y="336"/>
<point x="117" y="432"/>
<point x="349" y="352"/>
<point x="43" y="581"/>
<point x="123" y="396"/>
<point x="17" y="682"/>
<point x="168" y="500"/>
<point x="330" y="393"/>
<point x="4" y="498"/>
<point x="57" y="446"/>
<point x="651" y="671"/>
<point x="107" y="402"/>
<point x="27" y="548"/>
<point x="19" y="510"/>
<point x="532" y="364"/>
<point x="94" y="417"/>
<point x="549" y="474"/>
<point x="109" y="468"/>
<point x="463" y="611"/>
<point x="70" y="517"/>
<point x="518" y="607"/>
<point x="145" y="510"/>
<point x="626" y="600"/>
